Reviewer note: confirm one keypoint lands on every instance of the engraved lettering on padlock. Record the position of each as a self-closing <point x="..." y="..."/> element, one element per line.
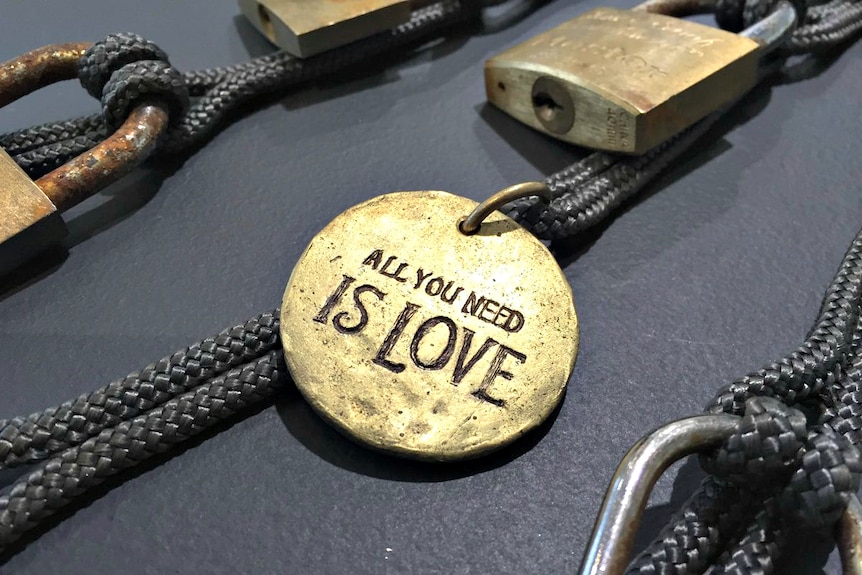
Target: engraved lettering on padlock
<point x="634" y="78"/>
<point x="305" y="28"/>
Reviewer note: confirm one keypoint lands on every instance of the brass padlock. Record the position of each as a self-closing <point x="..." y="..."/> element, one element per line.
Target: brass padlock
<point x="29" y="221"/>
<point x="30" y="211"/>
<point x="308" y="27"/>
<point x="621" y="80"/>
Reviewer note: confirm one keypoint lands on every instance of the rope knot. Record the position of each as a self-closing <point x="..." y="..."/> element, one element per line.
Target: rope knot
<point x="773" y="446"/>
<point x="827" y="476"/>
<point x="124" y="70"/>
<point x="767" y="445"/>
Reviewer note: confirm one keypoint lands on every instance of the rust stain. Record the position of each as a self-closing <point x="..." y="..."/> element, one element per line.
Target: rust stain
<point x="107" y="162"/>
<point x="38" y="68"/>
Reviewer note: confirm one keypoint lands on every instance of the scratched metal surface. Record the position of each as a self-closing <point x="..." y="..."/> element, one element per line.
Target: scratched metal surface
<point x="717" y="270"/>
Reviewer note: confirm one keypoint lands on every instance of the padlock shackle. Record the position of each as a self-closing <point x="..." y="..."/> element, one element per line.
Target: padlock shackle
<point x="770" y="32"/>
<point x="613" y="537"/>
<point x="850" y="537"/>
<point x="106" y="162"/>
<point x="773" y="30"/>
<point x="39" y="68"/>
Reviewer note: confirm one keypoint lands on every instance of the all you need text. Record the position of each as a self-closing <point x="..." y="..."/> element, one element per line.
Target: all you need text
<point x="472" y="304"/>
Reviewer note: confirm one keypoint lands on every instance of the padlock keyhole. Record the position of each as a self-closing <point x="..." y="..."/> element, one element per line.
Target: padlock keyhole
<point x="546" y="107"/>
<point x="553" y="105"/>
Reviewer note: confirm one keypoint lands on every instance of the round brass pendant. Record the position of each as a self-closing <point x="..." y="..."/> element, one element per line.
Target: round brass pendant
<point x="418" y="340"/>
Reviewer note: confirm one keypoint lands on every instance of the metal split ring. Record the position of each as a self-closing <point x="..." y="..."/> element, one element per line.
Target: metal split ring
<point x="471" y="224"/>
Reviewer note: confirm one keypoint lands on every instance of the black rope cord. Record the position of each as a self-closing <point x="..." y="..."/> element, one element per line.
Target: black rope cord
<point x="217" y="92"/>
<point x="778" y="472"/>
<point x="220" y="91"/>
<point x="779" y="469"/>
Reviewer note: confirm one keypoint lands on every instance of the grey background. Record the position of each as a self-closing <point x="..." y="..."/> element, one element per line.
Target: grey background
<point x="716" y="270"/>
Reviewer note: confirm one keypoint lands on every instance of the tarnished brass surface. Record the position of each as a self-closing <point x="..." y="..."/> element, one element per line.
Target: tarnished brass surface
<point x="29" y="222"/>
<point x="850" y="538"/>
<point x="308" y="27"/>
<point x="38" y="68"/>
<point x="677" y="8"/>
<point x="107" y="162"/>
<point x="633" y="78"/>
<point x="418" y="340"/>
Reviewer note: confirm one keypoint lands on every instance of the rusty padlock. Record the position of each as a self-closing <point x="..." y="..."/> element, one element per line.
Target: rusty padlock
<point x="30" y="219"/>
<point x="628" y="80"/>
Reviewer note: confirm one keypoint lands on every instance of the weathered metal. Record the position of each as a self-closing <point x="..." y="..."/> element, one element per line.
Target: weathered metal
<point x="104" y="164"/>
<point x="38" y="68"/>
<point x="622" y="80"/>
<point x="308" y="28"/>
<point x="29" y="211"/>
<point x="419" y="340"/>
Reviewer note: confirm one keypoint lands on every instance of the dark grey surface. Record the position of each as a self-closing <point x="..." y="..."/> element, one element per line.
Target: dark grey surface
<point x="717" y="270"/>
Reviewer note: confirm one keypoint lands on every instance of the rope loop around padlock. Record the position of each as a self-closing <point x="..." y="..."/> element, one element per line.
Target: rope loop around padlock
<point x="795" y="458"/>
<point x="773" y="446"/>
<point x="144" y="120"/>
<point x="125" y="69"/>
<point x="104" y="58"/>
<point x="737" y="15"/>
<point x="624" y="503"/>
<point x="99" y="426"/>
<point x="220" y="91"/>
<point x="216" y="92"/>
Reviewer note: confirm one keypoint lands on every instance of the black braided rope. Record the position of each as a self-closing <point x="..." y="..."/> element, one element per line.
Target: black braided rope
<point x="733" y="523"/>
<point x="43" y="434"/>
<point x="218" y="92"/>
<point x="785" y="478"/>
<point x="43" y="159"/>
<point x="37" y="137"/>
<point x="589" y="191"/>
<point x="114" y="52"/>
<point x="61" y="479"/>
<point x="140" y="81"/>
<point x="221" y="91"/>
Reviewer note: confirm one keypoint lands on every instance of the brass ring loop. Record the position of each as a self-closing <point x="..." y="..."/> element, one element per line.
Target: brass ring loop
<point x="471" y="224"/>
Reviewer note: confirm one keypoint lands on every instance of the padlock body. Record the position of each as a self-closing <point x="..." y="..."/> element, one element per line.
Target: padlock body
<point x="621" y="80"/>
<point x="29" y="222"/>
<point x="308" y="27"/>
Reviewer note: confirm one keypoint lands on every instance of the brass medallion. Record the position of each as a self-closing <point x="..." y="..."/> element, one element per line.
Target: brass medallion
<point x="416" y="339"/>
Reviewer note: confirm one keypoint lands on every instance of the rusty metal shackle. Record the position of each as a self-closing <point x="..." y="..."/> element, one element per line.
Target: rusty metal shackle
<point x="106" y="162"/>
